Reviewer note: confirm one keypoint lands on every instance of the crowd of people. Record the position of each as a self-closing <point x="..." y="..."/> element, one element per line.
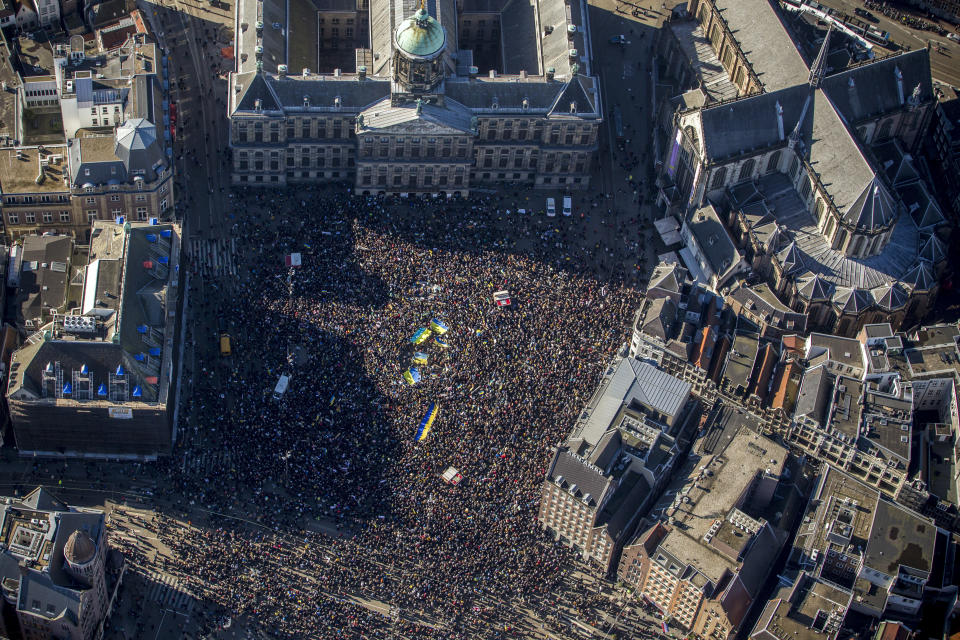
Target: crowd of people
<point x="349" y="504"/>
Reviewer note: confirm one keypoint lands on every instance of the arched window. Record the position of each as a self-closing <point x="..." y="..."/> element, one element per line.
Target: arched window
<point x="840" y="239"/>
<point x="805" y="189"/>
<point x="738" y="77"/>
<point x="831" y="224"/>
<point x="794" y="165"/>
<point x="820" y="208"/>
<point x="857" y="246"/>
<point x="747" y="169"/>
<point x="884" y="132"/>
<point x="719" y="177"/>
<point x="773" y="164"/>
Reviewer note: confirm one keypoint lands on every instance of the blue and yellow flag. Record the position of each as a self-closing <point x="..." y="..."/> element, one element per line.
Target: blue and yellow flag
<point x="412" y="376"/>
<point x="421" y="336"/>
<point x="439" y="327"/>
<point x="420" y="357"/>
<point x="441" y="342"/>
<point x="427" y="422"/>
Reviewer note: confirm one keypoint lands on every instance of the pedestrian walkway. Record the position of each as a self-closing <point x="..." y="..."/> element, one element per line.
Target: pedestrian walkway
<point x="205" y="461"/>
<point x="168" y="592"/>
<point x="213" y="257"/>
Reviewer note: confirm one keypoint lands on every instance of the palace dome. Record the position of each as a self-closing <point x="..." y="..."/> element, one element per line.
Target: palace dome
<point x="420" y="35"/>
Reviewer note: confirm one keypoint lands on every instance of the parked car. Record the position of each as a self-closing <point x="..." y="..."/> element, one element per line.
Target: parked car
<point x="551" y="207"/>
<point x="567" y="206"/>
<point x="620" y="40"/>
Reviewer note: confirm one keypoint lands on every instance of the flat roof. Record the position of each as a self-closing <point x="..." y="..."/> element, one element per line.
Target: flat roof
<point x="900" y="538"/>
<point x="845" y="411"/>
<point x="18" y="173"/>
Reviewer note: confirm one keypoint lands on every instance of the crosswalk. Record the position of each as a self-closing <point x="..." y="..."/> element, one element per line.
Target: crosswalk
<point x="167" y="592"/>
<point x="213" y="257"/>
<point x="210" y="462"/>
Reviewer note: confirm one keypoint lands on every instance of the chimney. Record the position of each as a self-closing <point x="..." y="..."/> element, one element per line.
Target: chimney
<point x="473" y="71"/>
<point x="493" y="73"/>
<point x="361" y="72"/>
<point x="282" y="70"/>
<point x="550" y="73"/>
<point x="336" y="73"/>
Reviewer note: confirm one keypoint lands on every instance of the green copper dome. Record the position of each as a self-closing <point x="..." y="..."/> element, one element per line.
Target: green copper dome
<point x="420" y="35"/>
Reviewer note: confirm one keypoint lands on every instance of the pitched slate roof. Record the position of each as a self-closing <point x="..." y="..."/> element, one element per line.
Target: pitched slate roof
<point x="815" y="288"/>
<point x="851" y="300"/>
<point x="752" y="123"/>
<point x="921" y="277"/>
<point x="575" y="97"/>
<point x="891" y="296"/>
<point x="254" y="87"/>
<point x="759" y="30"/>
<point x="791" y="258"/>
<point x="932" y="249"/>
<point x="874" y="207"/>
<point x="877" y="85"/>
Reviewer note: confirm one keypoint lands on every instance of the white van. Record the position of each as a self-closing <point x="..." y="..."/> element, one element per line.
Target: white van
<point x="567" y="206"/>
<point x="281" y="387"/>
<point x="551" y="207"/>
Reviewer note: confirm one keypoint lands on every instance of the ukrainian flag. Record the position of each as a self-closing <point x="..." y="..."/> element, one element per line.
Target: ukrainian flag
<point x="412" y="376"/>
<point x="439" y="327"/>
<point x="421" y="336"/>
<point x="427" y="422"/>
<point x="420" y="357"/>
<point x="441" y="342"/>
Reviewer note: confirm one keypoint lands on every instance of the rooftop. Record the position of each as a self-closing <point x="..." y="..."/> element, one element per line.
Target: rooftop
<point x="36" y="56"/>
<point x="844" y="351"/>
<point x="741" y="360"/>
<point x="20" y="172"/>
<point x="757" y="26"/>
<point x="900" y="538"/>
<point x="806" y="609"/>
<point x="717" y="483"/>
<point x="845" y="411"/>
<point x="630" y="383"/>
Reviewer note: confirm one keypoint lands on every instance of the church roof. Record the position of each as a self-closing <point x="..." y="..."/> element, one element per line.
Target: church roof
<point x="890" y="296"/>
<point x="932" y="249"/>
<point x="815" y="288"/>
<point x="852" y="300"/>
<point x="920" y="277"/>
<point x="880" y="86"/>
<point x="874" y="208"/>
<point x="791" y="258"/>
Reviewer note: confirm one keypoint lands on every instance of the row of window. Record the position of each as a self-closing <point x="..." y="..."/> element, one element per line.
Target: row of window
<point x="48" y="217"/>
<point x="32" y="199"/>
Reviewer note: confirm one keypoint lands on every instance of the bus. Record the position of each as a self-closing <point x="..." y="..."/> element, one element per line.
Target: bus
<point x="224" y="344"/>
